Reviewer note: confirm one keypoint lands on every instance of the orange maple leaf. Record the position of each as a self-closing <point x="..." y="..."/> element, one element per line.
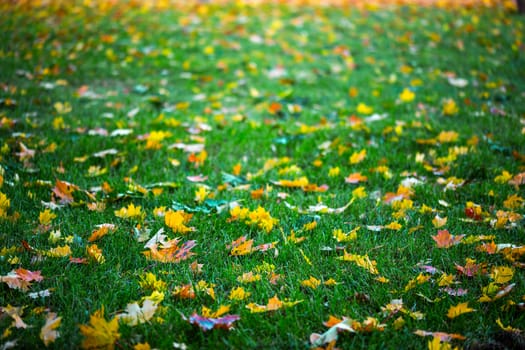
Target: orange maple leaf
<point x="29" y="276"/>
<point x="355" y="178"/>
<point x="101" y="231"/>
<point x="184" y="292"/>
<point x="170" y="251"/>
<point x="489" y="248"/>
<point x="445" y="240"/>
<point x="471" y="268"/>
<point x="517" y="180"/>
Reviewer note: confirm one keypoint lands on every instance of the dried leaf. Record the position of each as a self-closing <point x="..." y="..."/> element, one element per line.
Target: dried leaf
<point x="331" y="334"/>
<point x="135" y="314"/>
<point x="48" y="332"/>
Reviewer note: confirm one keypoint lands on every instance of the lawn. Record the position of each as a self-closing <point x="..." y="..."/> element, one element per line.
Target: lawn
<point x="262" y="175"/>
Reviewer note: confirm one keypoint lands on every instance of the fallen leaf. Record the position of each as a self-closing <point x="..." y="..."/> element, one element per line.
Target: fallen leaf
<point x="64" y="191"/>
<point x="445" y="240"/>
<point x="362" y="261"/>
<point x="460" y="309"/>
<point x="15" y="312"/>
<point x="48" y="332"/>
<point x="136" y="314"/>
<point x="331" y="334"/>
<point x="99" y="333"/>
<point x="273" y="304"/>
<point x="208" y="323"/>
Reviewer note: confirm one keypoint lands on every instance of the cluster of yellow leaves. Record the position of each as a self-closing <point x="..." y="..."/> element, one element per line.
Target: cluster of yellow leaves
<point x="5" y="204"/>
<point x="154" y="139"/>
<point x="341" y="236"/>
<point x="238" y="294"/>
<point x="314" y="283"/>
<point x="258" y="217"/>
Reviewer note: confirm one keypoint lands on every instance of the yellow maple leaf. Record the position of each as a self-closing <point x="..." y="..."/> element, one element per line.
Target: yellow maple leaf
<point x="312" y="282"/>
<point x="438" y="221"/>
<point x="450" y="107"/>
<point x="201" y="194"/>
<point x="59" y="252"/>
<point x="150" y="282"/>
<point x="272" y="305"/>
<point x="239" y="294"/>
<point x="502" y="274"/>
<point x="447" y="136"/>
<point x="437" y="344"/>
<point x="142" y="346"/>
<point x="358" y="157"/>
<point x="362" y="261"/>
<point x="262" y="219"/>
<point x="503" y="178"/>
<point x="364" y="109"/>
<point x="359" y="192"/>
<point x="394" y="226"/>
<point x="513" y="202"/>
<point x="446" y="280"/>
<point x="15" y="312"/>
<point x="461" y="308"/>
<point x="407" y="95"/>
<point x="243" y="248"/>
<point x="208" y="313"/>
<point x="131" y="212"/>
<point x="341" y="236"/>
<point x="176" y="220"/>
<point x="249" y="277"/>
<point x="99" y="333"/>
<point x="45" y="217"/>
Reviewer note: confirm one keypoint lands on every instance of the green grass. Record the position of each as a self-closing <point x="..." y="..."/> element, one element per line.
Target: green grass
<point x="155" y="61"/>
